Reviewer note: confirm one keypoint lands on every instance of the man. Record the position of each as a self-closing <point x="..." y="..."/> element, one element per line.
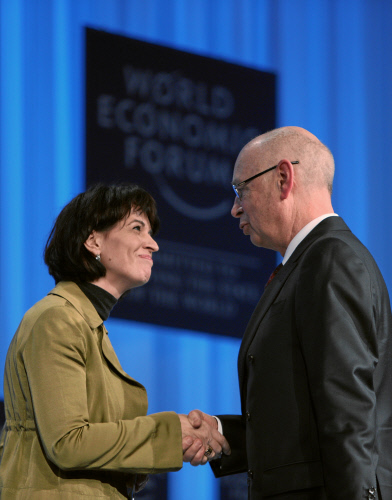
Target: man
<point x="315" y="363"/>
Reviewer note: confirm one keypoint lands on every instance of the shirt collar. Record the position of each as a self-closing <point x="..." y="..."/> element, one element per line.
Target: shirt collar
<point x="302" y="235"/>
<point x="102" y="300"/>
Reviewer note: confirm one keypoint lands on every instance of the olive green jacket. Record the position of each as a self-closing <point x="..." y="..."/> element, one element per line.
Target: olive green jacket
<point x="76" y="424"/>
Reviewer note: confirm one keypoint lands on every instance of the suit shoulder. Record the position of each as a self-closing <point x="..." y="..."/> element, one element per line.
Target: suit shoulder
<point x="339" y="246"/>
<point x="340" y="258"/>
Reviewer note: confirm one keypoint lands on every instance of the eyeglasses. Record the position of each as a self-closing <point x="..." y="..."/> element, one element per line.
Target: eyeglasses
<point x="237" y="187"/>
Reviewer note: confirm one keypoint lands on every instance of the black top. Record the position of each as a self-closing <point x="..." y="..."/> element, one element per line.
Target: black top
<point x="102" y="300"/>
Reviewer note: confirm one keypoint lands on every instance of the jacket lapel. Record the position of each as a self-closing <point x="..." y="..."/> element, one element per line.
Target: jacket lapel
<point x="111" y="357"/>
<point x="273" y="289"/>
<point x="71" y="292"/>
<point x="265" y="302"/>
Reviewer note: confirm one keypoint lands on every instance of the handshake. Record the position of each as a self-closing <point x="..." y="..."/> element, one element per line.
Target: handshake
<point x="201" y="440"/>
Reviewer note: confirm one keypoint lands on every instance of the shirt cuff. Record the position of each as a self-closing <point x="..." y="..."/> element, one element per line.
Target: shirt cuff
<point x="220" y="428"/>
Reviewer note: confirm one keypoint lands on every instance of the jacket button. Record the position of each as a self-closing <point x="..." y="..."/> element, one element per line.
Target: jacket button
<point x="251" y="358"/>
<point x="247" y="415"/>
<point x="250" y="474"/>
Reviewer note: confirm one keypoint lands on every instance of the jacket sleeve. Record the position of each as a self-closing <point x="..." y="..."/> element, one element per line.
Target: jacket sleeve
<point x="56" y="359"/>
<point x="337" y="309"/>
<point x="233" y="427"/>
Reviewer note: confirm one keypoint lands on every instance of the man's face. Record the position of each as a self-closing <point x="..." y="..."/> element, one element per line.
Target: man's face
<point x="256" y="219"/>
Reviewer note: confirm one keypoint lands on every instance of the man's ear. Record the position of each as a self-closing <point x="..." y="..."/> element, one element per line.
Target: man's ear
<point x="93" y="243"/>
<point x="285" y="172"/>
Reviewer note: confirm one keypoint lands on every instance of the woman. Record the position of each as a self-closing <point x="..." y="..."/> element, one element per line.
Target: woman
<point x="76" y="424"/>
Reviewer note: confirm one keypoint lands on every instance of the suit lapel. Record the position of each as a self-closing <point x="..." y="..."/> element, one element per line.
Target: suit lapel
<point x="273" y="289"/>
<point x="267" y="299"/>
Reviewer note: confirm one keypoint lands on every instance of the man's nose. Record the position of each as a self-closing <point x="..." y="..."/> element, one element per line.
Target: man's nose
<point x="236" y="210"/>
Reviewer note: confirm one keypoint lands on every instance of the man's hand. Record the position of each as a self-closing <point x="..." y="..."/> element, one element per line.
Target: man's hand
<point x="196" y="418"/>
<point x="200" y="433"/>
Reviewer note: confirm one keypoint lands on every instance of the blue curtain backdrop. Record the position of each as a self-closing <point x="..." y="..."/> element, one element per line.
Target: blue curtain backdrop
<point x="332" y="58"/>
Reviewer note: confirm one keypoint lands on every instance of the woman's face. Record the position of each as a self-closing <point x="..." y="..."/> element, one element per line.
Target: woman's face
<point x="126" y="252"/>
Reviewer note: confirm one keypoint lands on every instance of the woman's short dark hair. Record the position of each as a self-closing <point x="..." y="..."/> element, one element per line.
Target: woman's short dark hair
<point x="97" y="209"/>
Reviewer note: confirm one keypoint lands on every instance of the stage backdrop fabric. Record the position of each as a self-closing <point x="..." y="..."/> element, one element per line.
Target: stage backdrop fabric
<point x="334" y="77"/>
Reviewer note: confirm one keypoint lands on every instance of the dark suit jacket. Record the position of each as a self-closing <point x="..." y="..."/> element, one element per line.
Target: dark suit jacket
<point x="315" y="374"/>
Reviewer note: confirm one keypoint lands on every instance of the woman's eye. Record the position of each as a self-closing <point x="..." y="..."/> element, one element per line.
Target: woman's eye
<point x="138" y="228"/>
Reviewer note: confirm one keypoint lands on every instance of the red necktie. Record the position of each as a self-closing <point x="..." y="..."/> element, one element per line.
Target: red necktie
<point x="273" y="274"/>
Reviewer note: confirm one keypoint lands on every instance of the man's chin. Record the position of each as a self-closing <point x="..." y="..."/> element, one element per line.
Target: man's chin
<point x="255" y="240"/>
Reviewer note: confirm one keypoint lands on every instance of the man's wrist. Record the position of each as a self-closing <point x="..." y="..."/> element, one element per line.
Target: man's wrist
<point x="220" y="428"/>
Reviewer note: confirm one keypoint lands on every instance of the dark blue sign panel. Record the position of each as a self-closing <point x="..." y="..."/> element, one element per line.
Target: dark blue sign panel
<point x="174" y="123"/>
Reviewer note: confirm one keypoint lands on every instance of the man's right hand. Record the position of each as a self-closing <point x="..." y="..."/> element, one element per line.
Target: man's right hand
<point x="200" y="432"/>
<point x="196" y="418"/>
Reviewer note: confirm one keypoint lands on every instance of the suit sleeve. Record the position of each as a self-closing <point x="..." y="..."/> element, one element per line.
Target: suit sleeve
<point x="55" y="359"/>
<point x="337" y="309"/>
<point x="233" y="427"/>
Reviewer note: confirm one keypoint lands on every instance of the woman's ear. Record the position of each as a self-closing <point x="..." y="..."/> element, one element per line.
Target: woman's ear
<point x="93" y="243"/>
<point x="285" y="178"/>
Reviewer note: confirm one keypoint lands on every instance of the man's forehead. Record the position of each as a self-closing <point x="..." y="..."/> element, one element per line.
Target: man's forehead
<point x="247" y="164"/>
<point x="237" y="172"/>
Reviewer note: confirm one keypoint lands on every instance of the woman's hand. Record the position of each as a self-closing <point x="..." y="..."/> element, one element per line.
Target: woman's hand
<point x="201" y="441"/>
